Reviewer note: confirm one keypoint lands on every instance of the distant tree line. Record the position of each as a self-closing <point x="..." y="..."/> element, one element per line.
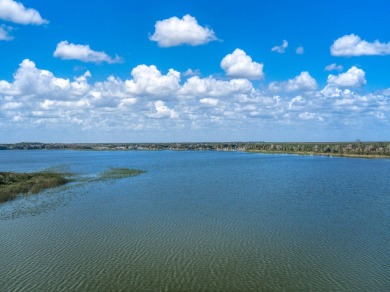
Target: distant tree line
<point x="357" y="148"/>
<point x="342" y="149"/>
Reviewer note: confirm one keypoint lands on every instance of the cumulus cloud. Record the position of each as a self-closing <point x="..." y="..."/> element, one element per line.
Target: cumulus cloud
<point x="161" y="111"/>
<point x="353" y="45"/>
<point x="302" y="82"/>
<point x="151" y="102"/>
<point x="29" y="80"/>
<point x="33" y="83"/>
<point x="240" y="65"/>
<point x="354" y="77"/>
<point x="334" y="67"/>
<point x="69" y="51"/>
<point x="210" y="87"/>
<point x="209" y="101"/>
<point x="149" y="80"/>
<point x="186" y="31"/>
<point x="280" y="49"/>
<point x="14" y="11"/>
<point x="300" y="50"/>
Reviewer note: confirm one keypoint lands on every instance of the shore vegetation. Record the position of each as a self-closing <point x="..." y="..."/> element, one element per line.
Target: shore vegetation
<point x="346" y="149"/>
<point x="357" y="149"/>
<point x="13" y="184"/>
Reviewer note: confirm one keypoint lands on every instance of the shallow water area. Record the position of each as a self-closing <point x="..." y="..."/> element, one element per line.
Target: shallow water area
<point x="196" y="221"/>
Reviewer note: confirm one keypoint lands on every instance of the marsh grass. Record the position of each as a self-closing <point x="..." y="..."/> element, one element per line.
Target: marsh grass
<point x="13" y="184"/>
<point x="118" y="173"/>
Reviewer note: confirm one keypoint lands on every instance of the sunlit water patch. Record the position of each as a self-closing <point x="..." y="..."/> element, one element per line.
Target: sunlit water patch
<point x="199" y="221"/>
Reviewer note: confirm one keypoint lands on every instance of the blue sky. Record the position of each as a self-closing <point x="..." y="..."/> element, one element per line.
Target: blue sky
<point x="153" y="71"/>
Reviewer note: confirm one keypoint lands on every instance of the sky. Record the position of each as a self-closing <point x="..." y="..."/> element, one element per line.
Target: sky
<point x="194" y="71"/>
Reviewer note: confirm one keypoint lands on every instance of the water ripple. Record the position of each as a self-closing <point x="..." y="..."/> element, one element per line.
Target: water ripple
<point x="243" y="223"/>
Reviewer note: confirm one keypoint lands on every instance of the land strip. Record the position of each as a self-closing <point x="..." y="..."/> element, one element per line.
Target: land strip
<point x="345" y="149"/>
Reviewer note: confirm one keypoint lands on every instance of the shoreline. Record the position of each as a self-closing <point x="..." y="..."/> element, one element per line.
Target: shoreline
<point x="301" y="153"/>
<point x="322" y="154"/>
<point x="358" y="149"/>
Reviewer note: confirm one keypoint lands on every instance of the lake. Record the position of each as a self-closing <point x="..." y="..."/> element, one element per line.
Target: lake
<point x="199" y="221"/>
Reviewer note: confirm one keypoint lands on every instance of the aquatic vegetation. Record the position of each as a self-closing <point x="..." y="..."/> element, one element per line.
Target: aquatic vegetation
<point x="13" y="184"/>
<point x="118" y="173"/>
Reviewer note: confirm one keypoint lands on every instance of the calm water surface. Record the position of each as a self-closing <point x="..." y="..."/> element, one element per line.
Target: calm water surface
<point x="199" y="221"/>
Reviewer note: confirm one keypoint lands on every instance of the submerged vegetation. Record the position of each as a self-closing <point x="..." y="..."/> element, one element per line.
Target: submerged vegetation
<point x="118" y="173"/>
<point x="13" y="184"/>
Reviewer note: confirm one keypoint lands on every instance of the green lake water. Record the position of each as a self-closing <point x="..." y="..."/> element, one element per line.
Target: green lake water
<point x="199" y="221"/>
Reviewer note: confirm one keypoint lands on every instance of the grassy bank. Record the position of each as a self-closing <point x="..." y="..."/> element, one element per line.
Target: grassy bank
<point x="13" y="184"/>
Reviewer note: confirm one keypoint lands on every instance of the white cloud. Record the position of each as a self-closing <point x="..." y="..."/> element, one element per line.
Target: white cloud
<point x="354" y="77"/>
<point x="307" y="116"/>
<point x="331" y="91"/>
<point x="150" y="103"/>
<point x="353" y="45"/>
<point x="109" y="92"/>
<point x="54" y="104"/>
<point x="69" y="51"/>
<point x="11" y="105"/>
<point x="280" y="49"/>
<point x="4" y="35"/>
<point x="14" y="11"/>
<point x="29" y="80"/>
<point x="297" y="103"/>
<point x="161" y="111"/>
<point x="190" y="72"/>
<point x="302" y="82"/>
<point x="210" y="87"/>
<point x="300" y="50"/>
<point x="186" y="31"/>
<point x="149" y="80"/>
<point x="334" y="67"/>
<point x="209" y="101"/>
<point x="240" y="65"/>
<point x="386" y="92"/>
